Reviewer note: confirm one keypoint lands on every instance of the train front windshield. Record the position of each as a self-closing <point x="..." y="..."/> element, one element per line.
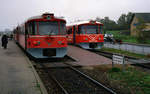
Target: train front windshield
<point x="90" y="29"/>
<point x="51" y="28"/>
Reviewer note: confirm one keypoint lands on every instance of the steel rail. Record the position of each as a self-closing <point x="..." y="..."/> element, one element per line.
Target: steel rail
<point x="141" y="65"/>
<point x="91" y="79"/>
<point x="62" y="88"/>
<point x="81" y="73"/>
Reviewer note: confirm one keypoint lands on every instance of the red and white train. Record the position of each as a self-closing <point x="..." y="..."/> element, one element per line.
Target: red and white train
<point x="86" y="34"/>
<point x="43" y="36"/>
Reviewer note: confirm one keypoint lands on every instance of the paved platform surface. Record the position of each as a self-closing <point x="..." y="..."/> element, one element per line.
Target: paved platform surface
<point x="87" y="58"/>
<point x="16" y="76"/>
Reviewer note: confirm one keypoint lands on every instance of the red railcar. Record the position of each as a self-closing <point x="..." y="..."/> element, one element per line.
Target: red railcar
<point x="86" y="34"/>
<point x="43" y="36"/>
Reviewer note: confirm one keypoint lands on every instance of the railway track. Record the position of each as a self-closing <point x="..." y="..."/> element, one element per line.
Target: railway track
<point x="135" y="61"/>
<point x="69" y="80"/>
<point x="50" y="82"/>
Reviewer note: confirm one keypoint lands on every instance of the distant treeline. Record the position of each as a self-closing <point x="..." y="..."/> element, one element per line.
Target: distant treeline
<point x="123" y="23"/>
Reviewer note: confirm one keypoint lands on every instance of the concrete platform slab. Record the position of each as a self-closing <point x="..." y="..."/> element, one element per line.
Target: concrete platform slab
<point x="16" y="75"/>
<point x="87" y="58"/>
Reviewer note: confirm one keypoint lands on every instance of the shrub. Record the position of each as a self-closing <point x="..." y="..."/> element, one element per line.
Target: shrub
<point x="115" y="69"/>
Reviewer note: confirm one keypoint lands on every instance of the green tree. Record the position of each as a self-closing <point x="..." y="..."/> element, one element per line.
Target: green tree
<point x="108" y="24"/>
<point x="124" y="21"/>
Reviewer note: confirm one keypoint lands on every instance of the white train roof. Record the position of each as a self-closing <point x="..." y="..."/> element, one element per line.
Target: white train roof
<point x="81" y="22"/>
<point x="41" y="16"/>
<point x="35" y="17"/>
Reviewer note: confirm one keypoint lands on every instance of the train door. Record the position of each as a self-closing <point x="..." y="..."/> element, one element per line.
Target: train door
<point x="70" y="35"/>
<point x="74" y="35"/>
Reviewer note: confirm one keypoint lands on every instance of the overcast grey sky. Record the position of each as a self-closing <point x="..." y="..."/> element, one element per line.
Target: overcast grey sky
<point x="14" y="12"/>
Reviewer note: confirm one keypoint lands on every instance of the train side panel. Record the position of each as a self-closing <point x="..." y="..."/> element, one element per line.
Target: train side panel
<point x="21" y="40"/>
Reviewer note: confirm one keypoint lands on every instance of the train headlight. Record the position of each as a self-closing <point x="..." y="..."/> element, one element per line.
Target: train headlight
<point x="48" y="17"/>
<point x="36" y="43"/>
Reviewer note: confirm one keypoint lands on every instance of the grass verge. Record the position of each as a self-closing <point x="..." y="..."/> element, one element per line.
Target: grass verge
<point x="125" y="36"/>
<point x="131" y="80"/>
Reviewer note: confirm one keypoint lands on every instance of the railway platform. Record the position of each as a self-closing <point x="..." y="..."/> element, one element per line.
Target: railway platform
<point x="16" y="74"/>
<point x="86" y="58"/>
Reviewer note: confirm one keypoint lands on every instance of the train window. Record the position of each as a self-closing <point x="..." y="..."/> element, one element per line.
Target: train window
<point x="89" y="29"/>
<point x="79" y="30"/>
<point x="48" y="28"/>
<point x="19" y="29"/>
<point x="22" y="29"/>
<point x="31" y="28"/>
<point x="62" y="28"/>
<point x="82" y="30"/>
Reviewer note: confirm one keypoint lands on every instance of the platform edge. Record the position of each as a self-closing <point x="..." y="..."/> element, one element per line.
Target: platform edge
<point x="37" y="78"/>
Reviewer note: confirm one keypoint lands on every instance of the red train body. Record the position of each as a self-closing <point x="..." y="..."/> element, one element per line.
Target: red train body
<point x="43" y="36"/>
<point x="86" y="34"/>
